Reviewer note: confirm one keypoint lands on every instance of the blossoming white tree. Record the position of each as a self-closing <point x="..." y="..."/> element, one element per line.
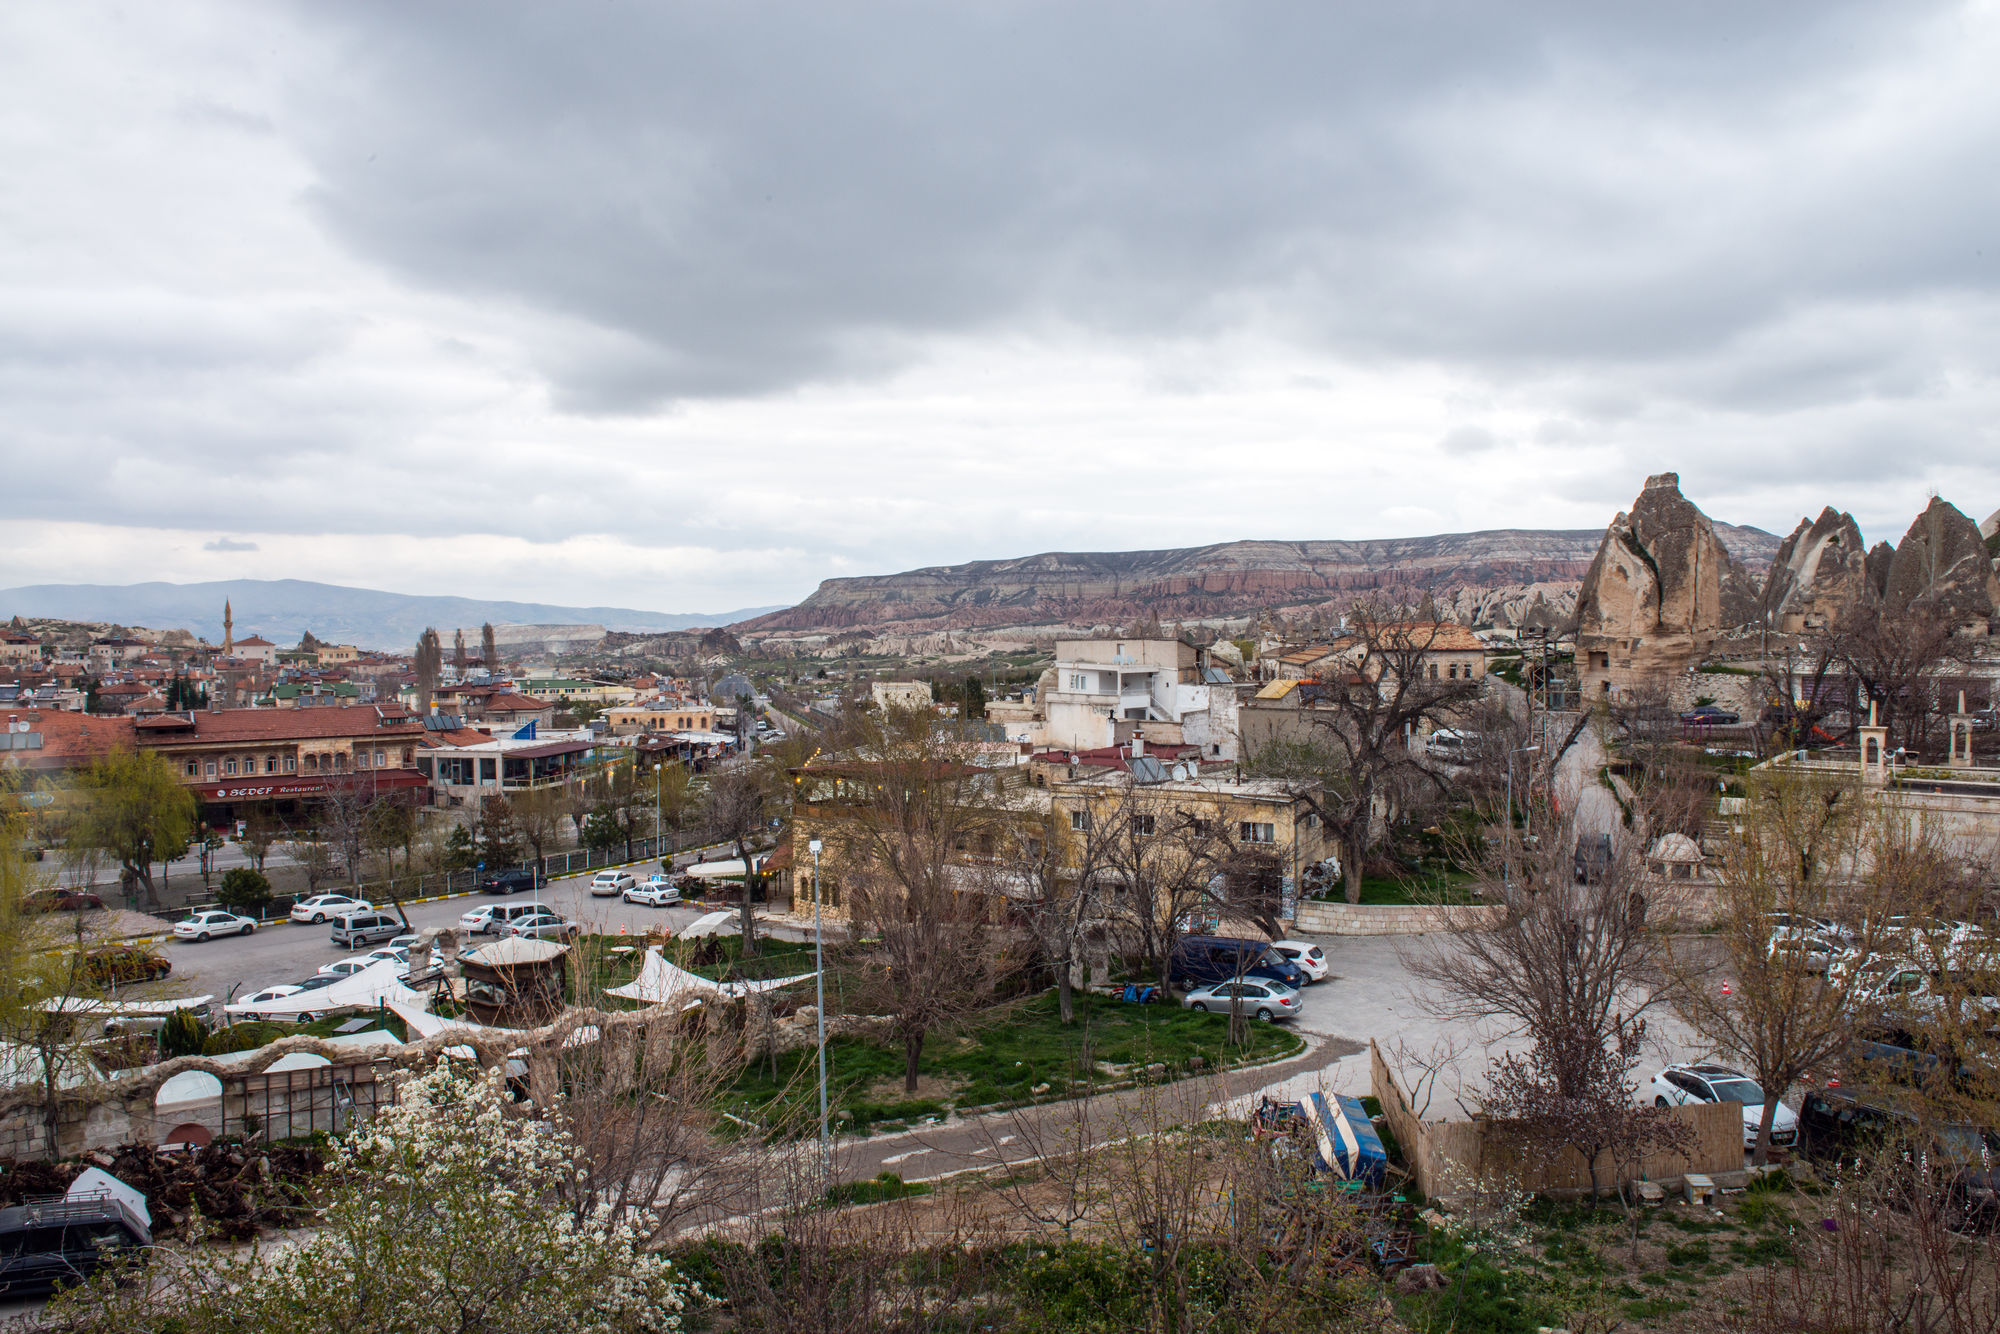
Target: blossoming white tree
<point x="446" y="1213"/>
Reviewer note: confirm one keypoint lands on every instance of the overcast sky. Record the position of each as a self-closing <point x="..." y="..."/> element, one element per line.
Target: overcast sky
<point x="687" y="307"/>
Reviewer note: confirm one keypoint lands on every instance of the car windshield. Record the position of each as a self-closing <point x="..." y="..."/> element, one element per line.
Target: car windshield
<point x="315" y="983"/>
<point x="1745" y="1091"/>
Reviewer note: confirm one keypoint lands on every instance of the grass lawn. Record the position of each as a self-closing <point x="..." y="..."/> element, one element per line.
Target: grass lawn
<point x="1430" y="887"/>
<point x="1004" y="1061"/>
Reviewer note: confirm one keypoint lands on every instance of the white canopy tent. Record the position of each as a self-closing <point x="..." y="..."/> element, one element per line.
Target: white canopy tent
<point x="724" y="923"/>
<point x="660" y="982"/>
<point x="377" y="984"/>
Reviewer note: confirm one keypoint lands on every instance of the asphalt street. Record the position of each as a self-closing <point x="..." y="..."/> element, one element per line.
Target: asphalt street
<point x="287" y="953"/>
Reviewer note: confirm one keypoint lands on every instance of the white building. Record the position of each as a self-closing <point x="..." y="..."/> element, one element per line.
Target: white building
<point x="1107" y="691"/>
<point x="901" y="694"/>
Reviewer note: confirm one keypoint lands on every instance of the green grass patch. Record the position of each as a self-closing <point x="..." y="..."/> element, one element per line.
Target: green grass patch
<point x="1020" y="1048"/>
<point x="1424" y="887"/>
<point x="886" y="1186"/>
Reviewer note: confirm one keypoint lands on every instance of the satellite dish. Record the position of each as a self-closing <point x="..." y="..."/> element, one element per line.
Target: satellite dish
<point x="1180" y="773"/>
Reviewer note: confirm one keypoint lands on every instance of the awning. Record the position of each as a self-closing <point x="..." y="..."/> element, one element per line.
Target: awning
<point x="660" y="982"/>
<point x="273" y="789"/>
<point x="376" y="984"/>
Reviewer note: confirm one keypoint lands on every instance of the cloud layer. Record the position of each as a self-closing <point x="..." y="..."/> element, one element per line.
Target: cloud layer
<point x="704" y="304"/>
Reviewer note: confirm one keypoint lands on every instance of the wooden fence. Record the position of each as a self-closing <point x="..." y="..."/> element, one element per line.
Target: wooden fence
<point x="1431" y="1148"/>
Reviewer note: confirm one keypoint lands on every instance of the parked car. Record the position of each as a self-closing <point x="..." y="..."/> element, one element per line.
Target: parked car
<point x="121" y="965"/>
<point x="608" y="884"/>
<point x="1307" y="957"/>
<point x="1264" y="999"/>
<point x="45" y="1244"/>
<point x="542" y="926"/>
<point x="657" y="892"/>
<point x="514" y="879"/>
<point x="279" y="992"/>
<point x="491" y="919"/>
<point x="1453" y="746"/>
<point x="61" y="900"/>
<point x="345" y="967"/>
<point x="1681" y="1085"/>
<point x="1710" y="715"/>
<point x="321" y="907"/>
<point x="1839" y="1123"/>
<point x="214" y="922"/>
<point x="1593" y="858"/>
<point x="1199" y="959"/>
<point x="1811" y="952"/>
<point x="356" y="929"/>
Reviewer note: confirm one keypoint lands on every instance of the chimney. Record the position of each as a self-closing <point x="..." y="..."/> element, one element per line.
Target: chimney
<point x="1138" y="745"/>
<point x="215" y="704"/>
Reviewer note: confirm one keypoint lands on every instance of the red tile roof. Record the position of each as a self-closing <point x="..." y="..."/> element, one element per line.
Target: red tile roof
<point x="68" y="738"/>
<point x="229" y="725"/>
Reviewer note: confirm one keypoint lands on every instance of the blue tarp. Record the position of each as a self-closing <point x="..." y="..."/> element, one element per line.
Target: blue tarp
<point x="1348" y="1145"/>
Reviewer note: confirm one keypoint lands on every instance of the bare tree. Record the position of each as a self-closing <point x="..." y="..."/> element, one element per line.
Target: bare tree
<point x="458" y="658"/>
<point x="1895" y="655"/>
<point x="1572" y="956"/>
<point x="918" y="809"/>
<point x="1385" y="691"/>
<point x="538" y="816"/>
<point x="736" y="811"/>
<point x="489" y="649"/>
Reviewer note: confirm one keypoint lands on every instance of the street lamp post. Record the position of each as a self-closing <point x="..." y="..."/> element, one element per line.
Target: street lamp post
<point x="819" y="982"/>
<point x="657" y="766"/>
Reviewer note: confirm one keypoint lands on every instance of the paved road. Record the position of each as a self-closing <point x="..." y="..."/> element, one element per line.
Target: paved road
<point x="286" y="953"/>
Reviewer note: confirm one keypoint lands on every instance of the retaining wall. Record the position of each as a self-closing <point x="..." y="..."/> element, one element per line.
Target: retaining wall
<point x="1317" y="917"/>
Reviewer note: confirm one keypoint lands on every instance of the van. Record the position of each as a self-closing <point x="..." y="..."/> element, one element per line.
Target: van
<point x="356" y="929"/>
<point x="1198" y="959"/>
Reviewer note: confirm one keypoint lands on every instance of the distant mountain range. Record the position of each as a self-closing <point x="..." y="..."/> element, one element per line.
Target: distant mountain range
<point x="283" y="609"/>
<point x="1465" y="571"/>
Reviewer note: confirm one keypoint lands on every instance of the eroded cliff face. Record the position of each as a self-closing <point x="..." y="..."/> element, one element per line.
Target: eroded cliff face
<point x="1819" y="575"/>
<point x="1942" y="566"/>
<point x="1661" y="588"/>
<point x="1496" y="575"/>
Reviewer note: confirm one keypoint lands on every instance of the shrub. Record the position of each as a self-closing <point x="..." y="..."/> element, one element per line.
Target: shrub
<point x="181" y="1035"/>
<point x="244" y="890"/>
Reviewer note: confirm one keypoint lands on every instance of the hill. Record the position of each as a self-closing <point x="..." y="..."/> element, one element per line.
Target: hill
<point x="1231" y="579"/>
<point x="282" y="609"/>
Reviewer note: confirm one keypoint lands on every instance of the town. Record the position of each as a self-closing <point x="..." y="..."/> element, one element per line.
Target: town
<point x="999" y="668"/>
<point x="1660" y="893"/>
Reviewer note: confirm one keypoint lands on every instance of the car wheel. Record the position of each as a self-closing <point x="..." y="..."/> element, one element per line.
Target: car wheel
<point x="1659" y="1102"/>
<point x="1199" y="1008"/>
<point x="1264" y="1015"/>
<point x="304" y="1018"/>
<point x="318" y="917"/>
<point x="201" y="935"/>
<point x="249" y="927"/>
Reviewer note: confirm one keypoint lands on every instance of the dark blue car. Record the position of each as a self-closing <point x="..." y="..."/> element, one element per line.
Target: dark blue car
<point x="1199" y="959"/>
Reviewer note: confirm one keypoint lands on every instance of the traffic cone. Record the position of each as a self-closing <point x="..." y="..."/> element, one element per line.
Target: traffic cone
<point x="621" y="928"/>
<point x="1725" y="989"/>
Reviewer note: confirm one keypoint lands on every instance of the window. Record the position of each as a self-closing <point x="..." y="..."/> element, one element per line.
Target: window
<point x="291" y="764"/>
<point x="208" y="769"/>
<point x="1452" y="671"/>
<point x="1079" y="820"/>
<point x="229" y="766"/>
<point x="1434" y="671"/>
<point x="194" y="768"/>
<point x="1199" y="827"/>
<point x="361" y="759"/>
<point x="1076" y="681"/>
<point x="1312" y="820"/>
<point x="1250" y="831"/>
<point x="270" y="764"/>
<point x="487" y="771"/>
<point x="1144" y="824"/>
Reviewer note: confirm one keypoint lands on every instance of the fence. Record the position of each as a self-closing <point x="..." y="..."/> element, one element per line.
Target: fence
<point x="1432" y="1148"/>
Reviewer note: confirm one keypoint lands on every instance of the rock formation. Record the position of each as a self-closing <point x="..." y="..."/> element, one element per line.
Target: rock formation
<point x="1942" y="566"/>
<point x="1661" y="588"/>
<point x="1819" y="575"/>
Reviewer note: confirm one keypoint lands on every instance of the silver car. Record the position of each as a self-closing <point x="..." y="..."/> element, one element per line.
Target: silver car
<point x="542" y="926"/>
<point x="1265" y="999"/>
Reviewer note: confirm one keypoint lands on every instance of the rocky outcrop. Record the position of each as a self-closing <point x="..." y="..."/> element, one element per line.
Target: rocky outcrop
<point x="1880" y="557"/>
<point x="1942" y="567"/>
<point x="1819" y="575"/>
<point x="1659" y="591"/>
<point x="1489" y="575"/>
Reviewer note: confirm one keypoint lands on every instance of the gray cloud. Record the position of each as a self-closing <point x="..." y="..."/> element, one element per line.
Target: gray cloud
<point x="228" y="544"/>
<point x="818" y="289"/>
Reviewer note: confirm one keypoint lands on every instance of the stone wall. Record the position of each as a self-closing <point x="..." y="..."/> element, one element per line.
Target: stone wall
<point x="1318" y="917"/>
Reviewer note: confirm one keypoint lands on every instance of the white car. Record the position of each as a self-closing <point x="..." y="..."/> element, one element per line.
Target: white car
<point x="657" y="892"/>
<point x="215" y="922"/>
<point x="322" y="907"/>
<point x="278" y="992"/>
<point x="1310" y="958"/>
<point x="492" y="919"/>
<point x="1680" y="1085"/>
<point x="346" y="967"/>
<point x="606" y="884"/>
<point x="1265" y="999"/>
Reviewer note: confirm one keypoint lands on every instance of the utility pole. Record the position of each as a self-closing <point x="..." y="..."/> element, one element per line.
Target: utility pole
<point x="819" y="982"/>
<point x="1507" y="867"/>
